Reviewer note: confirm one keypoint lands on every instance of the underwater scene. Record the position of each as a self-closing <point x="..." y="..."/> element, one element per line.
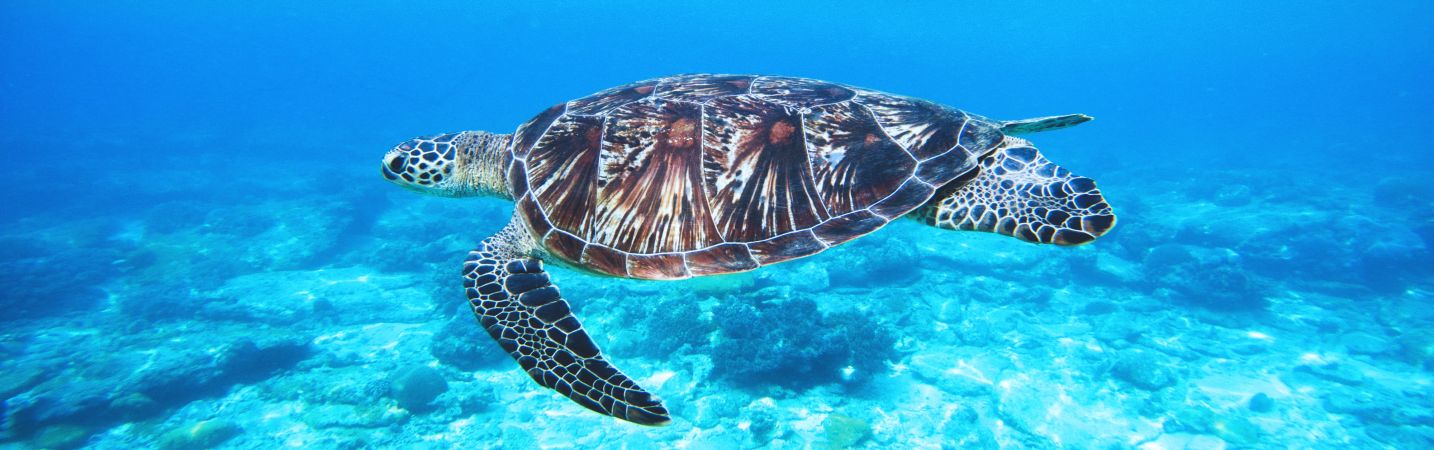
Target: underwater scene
<point x="213" y="234"/>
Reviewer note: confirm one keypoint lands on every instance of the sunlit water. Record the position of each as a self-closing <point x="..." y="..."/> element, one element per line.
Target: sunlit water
<point x="197" y="249"/>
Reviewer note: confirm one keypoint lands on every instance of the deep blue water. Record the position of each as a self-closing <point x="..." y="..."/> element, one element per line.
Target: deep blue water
<point x="1283" y="78"/>
<point x="1255" y="150"/>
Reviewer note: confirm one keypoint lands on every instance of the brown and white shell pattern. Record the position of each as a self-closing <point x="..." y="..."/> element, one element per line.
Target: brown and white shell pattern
<point x="696" y="175"/>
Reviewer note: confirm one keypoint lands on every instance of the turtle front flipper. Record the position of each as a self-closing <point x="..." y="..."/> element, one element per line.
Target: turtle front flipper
<point x="1017" y="192"/>
<point x="520" y="308"/>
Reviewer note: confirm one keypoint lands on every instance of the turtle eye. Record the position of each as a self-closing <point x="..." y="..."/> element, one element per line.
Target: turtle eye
<point x="396" y="165"/>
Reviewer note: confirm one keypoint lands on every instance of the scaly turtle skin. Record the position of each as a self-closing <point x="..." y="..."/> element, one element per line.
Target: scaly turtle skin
<point x="696" y="175"/>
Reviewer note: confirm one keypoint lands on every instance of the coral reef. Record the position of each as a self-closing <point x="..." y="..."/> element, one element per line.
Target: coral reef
<point x="414" y="387"/>
<point x="133" y="381"/>
<point x="672" y="324"/>
<point x="875" y="262"/>
<point x="1142" y="369"/>
<point x="463" y="344"/>
<point x="51" y="274"/>
<point x="265" y="311"/>
<point x="964" y="431"/>
<point x="61" y="437"/>
<point x="791" y="343"/>
<point x="200" y="436"/>
<point x="844" y="432"/>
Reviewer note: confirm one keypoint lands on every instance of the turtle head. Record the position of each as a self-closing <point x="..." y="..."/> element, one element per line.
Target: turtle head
<point x="463" y="164"/>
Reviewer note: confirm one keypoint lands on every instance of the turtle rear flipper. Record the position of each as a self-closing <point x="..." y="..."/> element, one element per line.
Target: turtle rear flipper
<point x="1017" y="192"/>
<point x="520" y="308"/>
<point x="1037" y="125"/>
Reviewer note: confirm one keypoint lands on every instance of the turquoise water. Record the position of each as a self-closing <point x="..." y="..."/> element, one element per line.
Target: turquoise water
<point x="197" y="249"/>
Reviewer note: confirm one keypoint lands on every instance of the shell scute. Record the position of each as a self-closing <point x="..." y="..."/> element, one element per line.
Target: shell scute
<point x="607" y="100"/>
<point x="666" y="266"/>
<point x="701" y="88"/>
<point x="910" y="196"/>
<point x="800" y="92"/>
<point x="755" y="168"/>
<point x="946" y="166"/>
<point x="561" y="171"/>
<point x="565" y="246"/>
<point x="786" y="247"/>
<point x="926" y="129"/>
<point x="650" y="194"/>
<point x="517" y="178"/>
<point x="605" y="260"/>
<point x="854" y="162"/>
<point x="527" y="209"/>
<point x="981" y="136"/>
<point x="532" y="131"/>
<point x="725" y="258"/>
<point x="848" y="227"/>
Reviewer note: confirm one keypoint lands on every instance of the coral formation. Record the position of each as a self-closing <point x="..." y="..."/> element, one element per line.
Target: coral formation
<point x="52" y="278"/>
<point x="791" y="343"/>
<point x="964" y="431"/>
<point x="844" y="432"/>
<point x="377" y="389"/>
<point x="61" y="437"/>
<point x="414" y="387"/>
<point x="462" y="343"/>
<point x="672" y="324"/>
<point x="199" y="436"/>
<point x="1142" y="369"/>
<point x="1262" y="403"/>
<point x="875" y="262"/>
<point x="134" y="406"/>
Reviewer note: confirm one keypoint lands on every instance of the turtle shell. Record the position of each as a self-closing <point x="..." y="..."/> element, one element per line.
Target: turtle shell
<point x="696" y="175"/>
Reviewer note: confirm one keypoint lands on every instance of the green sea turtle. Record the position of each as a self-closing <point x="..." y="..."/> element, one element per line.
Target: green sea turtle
<point x="696" y="175"/>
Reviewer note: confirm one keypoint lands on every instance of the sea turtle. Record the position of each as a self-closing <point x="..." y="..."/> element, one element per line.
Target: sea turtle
<point x="696" y="175"/>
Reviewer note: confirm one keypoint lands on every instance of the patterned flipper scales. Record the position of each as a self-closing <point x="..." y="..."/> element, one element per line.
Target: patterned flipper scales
<point x="520" y="308"/>
<point x="1017" y="192"/>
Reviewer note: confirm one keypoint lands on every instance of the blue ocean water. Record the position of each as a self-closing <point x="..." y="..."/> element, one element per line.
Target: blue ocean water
<point x="197" y="249"/>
